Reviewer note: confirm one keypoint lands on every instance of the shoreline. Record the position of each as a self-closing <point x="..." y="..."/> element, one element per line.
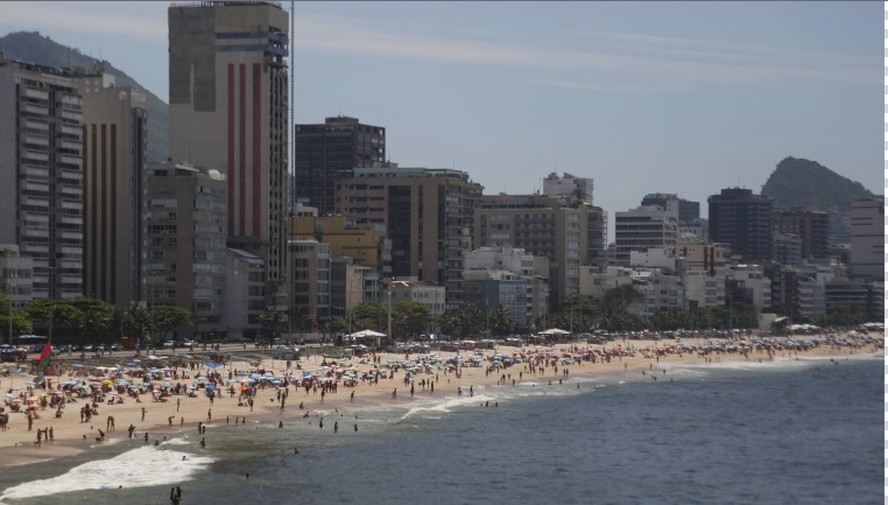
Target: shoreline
<point x="73" y="437"/>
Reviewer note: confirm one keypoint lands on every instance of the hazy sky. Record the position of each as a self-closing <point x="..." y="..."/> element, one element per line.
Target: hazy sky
<point x="684" y="97"/>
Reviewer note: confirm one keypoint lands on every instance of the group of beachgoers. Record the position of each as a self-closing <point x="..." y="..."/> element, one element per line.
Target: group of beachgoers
<point x="155" y="383"/>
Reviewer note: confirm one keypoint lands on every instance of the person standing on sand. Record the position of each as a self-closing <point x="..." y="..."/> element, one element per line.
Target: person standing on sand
<point x="144" y="411"/>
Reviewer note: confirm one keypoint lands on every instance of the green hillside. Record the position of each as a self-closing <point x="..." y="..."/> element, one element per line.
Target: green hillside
<point x="799" y="182"/>
<point x="35" y="48"/>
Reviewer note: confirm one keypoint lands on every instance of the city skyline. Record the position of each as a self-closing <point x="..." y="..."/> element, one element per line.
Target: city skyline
<point x="714" y="93"/>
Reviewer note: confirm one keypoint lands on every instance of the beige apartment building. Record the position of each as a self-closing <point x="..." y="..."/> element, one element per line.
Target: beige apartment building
<point x="115" y="155"/>
<point x="185" y="242"/>
<point x="428" y="215"/>
<point x="545" y="227"/>
<point x="365" y="243"/>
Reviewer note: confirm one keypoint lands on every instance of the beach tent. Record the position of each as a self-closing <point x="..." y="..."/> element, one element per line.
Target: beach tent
<point x="365" y="334"/>
<point x="554" y="332"/>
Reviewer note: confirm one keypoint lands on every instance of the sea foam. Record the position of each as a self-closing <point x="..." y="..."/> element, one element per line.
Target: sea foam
<point x="145" y="466"/>
<point x="446" y="406"/>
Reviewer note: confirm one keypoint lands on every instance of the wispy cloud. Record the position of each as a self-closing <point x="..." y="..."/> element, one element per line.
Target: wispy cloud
<point x="145" y="20"/>
<point x="662" y="62"/>
<point x="609" y="88"/>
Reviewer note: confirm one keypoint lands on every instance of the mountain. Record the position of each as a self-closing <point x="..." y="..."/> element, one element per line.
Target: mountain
<point x="32" y="47"/>
<point x="799" y="182"/>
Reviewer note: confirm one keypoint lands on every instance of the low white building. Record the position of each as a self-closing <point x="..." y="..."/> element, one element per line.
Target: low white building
<point x="410" y="289"/>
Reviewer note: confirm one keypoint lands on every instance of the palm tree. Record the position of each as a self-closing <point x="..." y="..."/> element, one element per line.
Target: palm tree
<point x="139" y="323"/>
<point x="500" y="321"/>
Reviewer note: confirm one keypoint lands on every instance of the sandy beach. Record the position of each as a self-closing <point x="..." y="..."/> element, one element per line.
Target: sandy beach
<point x="153" y="419"/>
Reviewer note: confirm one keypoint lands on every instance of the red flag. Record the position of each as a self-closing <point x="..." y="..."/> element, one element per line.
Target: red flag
<point x="43" y="361"/>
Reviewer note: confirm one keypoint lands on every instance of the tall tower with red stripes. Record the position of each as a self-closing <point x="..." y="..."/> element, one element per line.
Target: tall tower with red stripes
<point x="229" y="112"/>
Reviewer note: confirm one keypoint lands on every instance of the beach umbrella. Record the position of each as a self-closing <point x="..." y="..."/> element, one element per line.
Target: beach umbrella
<point x="212" y="364"/>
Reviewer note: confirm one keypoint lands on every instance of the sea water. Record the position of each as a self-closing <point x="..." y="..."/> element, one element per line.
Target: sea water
<point x="808" y="431"/>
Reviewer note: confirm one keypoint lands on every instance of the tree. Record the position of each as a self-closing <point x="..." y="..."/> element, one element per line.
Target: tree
<point x="409" y="318"/>
<point x="20" y="322"/>
<point x="92" y="318"/>
<point x="580" y="312"/>
<point x="500" y="321"/>
<point x="615" y="305"/>
<point x="372" y="316"/>
<point x="64" y="315"/>
<point x="166" y="318"/>
<point x="467" y="320"/>
<point x="138" y="323"/>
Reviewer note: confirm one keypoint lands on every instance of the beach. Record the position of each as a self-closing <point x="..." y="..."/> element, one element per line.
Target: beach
<point x="336" y="386"/>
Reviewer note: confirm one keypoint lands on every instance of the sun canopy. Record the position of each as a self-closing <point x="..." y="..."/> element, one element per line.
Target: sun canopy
<point x="365" y="334"/>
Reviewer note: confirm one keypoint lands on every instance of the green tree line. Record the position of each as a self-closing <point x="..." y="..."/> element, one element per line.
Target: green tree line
<point x="86" y="320"/>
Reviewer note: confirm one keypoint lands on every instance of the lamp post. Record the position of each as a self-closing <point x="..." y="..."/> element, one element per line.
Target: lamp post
<point x="11" y="285"/>
<point x="391" y="282"/>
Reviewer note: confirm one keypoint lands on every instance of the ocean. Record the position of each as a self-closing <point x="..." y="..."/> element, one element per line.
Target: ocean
<point x="807" y="431"/>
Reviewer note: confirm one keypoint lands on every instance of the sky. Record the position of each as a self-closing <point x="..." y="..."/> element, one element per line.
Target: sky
<point x="642" y="97"/>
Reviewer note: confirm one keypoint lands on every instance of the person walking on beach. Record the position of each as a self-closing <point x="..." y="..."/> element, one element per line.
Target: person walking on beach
<point x="209" y="415"/>
<point x="144" y="411"/>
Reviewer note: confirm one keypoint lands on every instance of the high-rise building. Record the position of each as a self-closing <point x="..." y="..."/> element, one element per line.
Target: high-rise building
<point x="325" y="152"/>
<point x="507" y="276"/>
<point x="545" y="227"/>
<point x="570" y="188"/>
<point x="310" y="309"/>
<point x="228" y="111"/>
<point x="744" y="221"/>
<point x="115" y="154"/>
<point x="185" y="242"/>
<point x="41" y="142"/>
<point x="811" y="225"/>
<point x="688" y="211"/>
<point x="428" y="215"/>
<point x="641" y="229"/>
<point x="365" y="243"/>
<point x="868" y="239"/>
